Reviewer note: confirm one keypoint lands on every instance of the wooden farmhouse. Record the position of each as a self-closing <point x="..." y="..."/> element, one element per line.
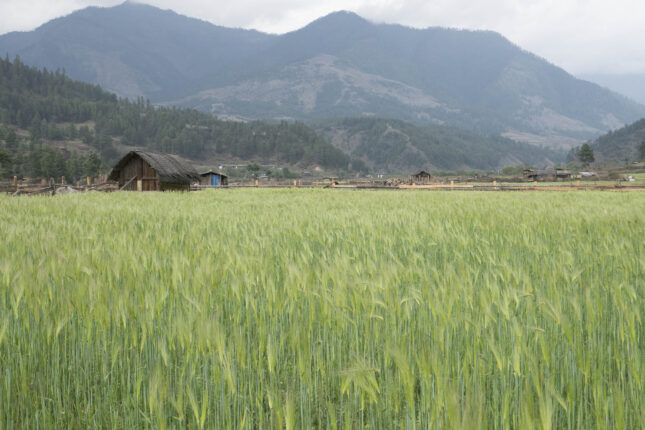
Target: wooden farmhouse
<point x="421" y="177"/>
<point x="549" y="174"/>
<point x="153" y="171"/>
<point x="213" y="179"/>
<point x="563" y="174"/>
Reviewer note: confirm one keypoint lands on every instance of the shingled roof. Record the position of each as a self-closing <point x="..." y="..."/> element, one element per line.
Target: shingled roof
<point x="168" y="167"/>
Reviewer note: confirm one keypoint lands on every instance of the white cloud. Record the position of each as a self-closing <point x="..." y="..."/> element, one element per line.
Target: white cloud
<point x="583" y="36"/>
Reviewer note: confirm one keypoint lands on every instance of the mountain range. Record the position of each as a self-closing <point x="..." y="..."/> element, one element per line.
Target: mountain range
<point x="338" y="66"/>
<point x="50" y="125"/>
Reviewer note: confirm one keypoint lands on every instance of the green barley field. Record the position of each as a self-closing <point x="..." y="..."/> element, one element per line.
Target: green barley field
<point x="323" y="309"/>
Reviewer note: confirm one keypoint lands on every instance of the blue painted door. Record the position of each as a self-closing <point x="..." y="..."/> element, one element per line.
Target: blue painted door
<point x="215" y="180"/>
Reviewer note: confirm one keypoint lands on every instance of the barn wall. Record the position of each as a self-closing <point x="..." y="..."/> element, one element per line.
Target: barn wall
<point x="421" y="179"/>
<point x="205" y="180"/>
<point x="143" y="171"/>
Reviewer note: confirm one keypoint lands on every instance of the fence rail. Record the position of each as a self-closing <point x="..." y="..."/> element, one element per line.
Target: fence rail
<point x="31" y="189"/>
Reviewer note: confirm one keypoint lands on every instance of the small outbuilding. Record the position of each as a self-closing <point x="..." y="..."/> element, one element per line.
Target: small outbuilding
<point x="422" y="177"/>
<point x="153" y="171"/>
<point x="213" y="178"/>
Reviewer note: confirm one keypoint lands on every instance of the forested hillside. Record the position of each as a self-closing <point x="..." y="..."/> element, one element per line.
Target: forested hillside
<point x="625" y="144"/>
<point x="394" y="146"/>
<point x="72" y="128"/>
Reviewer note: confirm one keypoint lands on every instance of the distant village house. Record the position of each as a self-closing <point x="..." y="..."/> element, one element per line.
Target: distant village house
<point x="422" y="177"/>
<point x="213" y="179"/>
<point x="548" y="174"/>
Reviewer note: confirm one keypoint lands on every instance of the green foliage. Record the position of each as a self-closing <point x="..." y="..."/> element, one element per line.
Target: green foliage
<point x="322" y="309"/>
<point x="513" y="170"/>
<point x="11" y="140"/>
<point x="5" y="158"/>
<point x="253" y="169"/>
<point x="92" y="164"/>
<point x="585" y="154"/>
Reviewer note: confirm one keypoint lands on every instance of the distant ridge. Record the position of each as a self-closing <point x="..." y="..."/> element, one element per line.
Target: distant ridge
<point x="621" y="145"/>
<point x="340" y="65"/>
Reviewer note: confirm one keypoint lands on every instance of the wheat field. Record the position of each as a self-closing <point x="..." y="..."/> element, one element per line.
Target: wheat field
<point x="323" y="309"/>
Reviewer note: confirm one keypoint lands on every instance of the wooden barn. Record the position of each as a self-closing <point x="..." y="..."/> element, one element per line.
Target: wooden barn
<point x="421" y="177"/>
<point x="153" y="171"/>
<point x="213" y="179"/>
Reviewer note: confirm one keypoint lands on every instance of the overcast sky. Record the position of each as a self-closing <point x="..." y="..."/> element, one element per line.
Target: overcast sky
<point x="583" y="36"/>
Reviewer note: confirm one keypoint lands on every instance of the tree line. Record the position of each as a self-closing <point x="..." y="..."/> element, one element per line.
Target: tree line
<point x="51" y="107"/>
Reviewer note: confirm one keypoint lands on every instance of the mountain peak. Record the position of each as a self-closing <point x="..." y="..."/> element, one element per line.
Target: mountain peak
<point x="342" y="18"/>
<point x="344" y="15"/>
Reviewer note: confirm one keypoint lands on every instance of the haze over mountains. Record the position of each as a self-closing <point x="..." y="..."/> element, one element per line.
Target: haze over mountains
<point x="338" y="66"/>
<point x="632" y="84"/>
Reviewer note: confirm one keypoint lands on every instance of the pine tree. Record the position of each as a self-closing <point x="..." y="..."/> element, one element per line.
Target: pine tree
<point x="5" y="158"/>
<point x="93" y="164"/>
<point x="11" y="140"/>
<point x="586" y="155"/>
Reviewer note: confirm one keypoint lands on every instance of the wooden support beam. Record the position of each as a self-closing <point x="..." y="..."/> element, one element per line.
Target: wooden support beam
<point x="127" y="183"/>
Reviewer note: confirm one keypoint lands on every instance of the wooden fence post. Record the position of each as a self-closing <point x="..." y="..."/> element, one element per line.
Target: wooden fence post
<point x="15" y="181"/>
<point x="256" y="182"/>
<point x="62" y="180"/>
<point x="89" y="181"/>
<point x="139" y="185"/>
